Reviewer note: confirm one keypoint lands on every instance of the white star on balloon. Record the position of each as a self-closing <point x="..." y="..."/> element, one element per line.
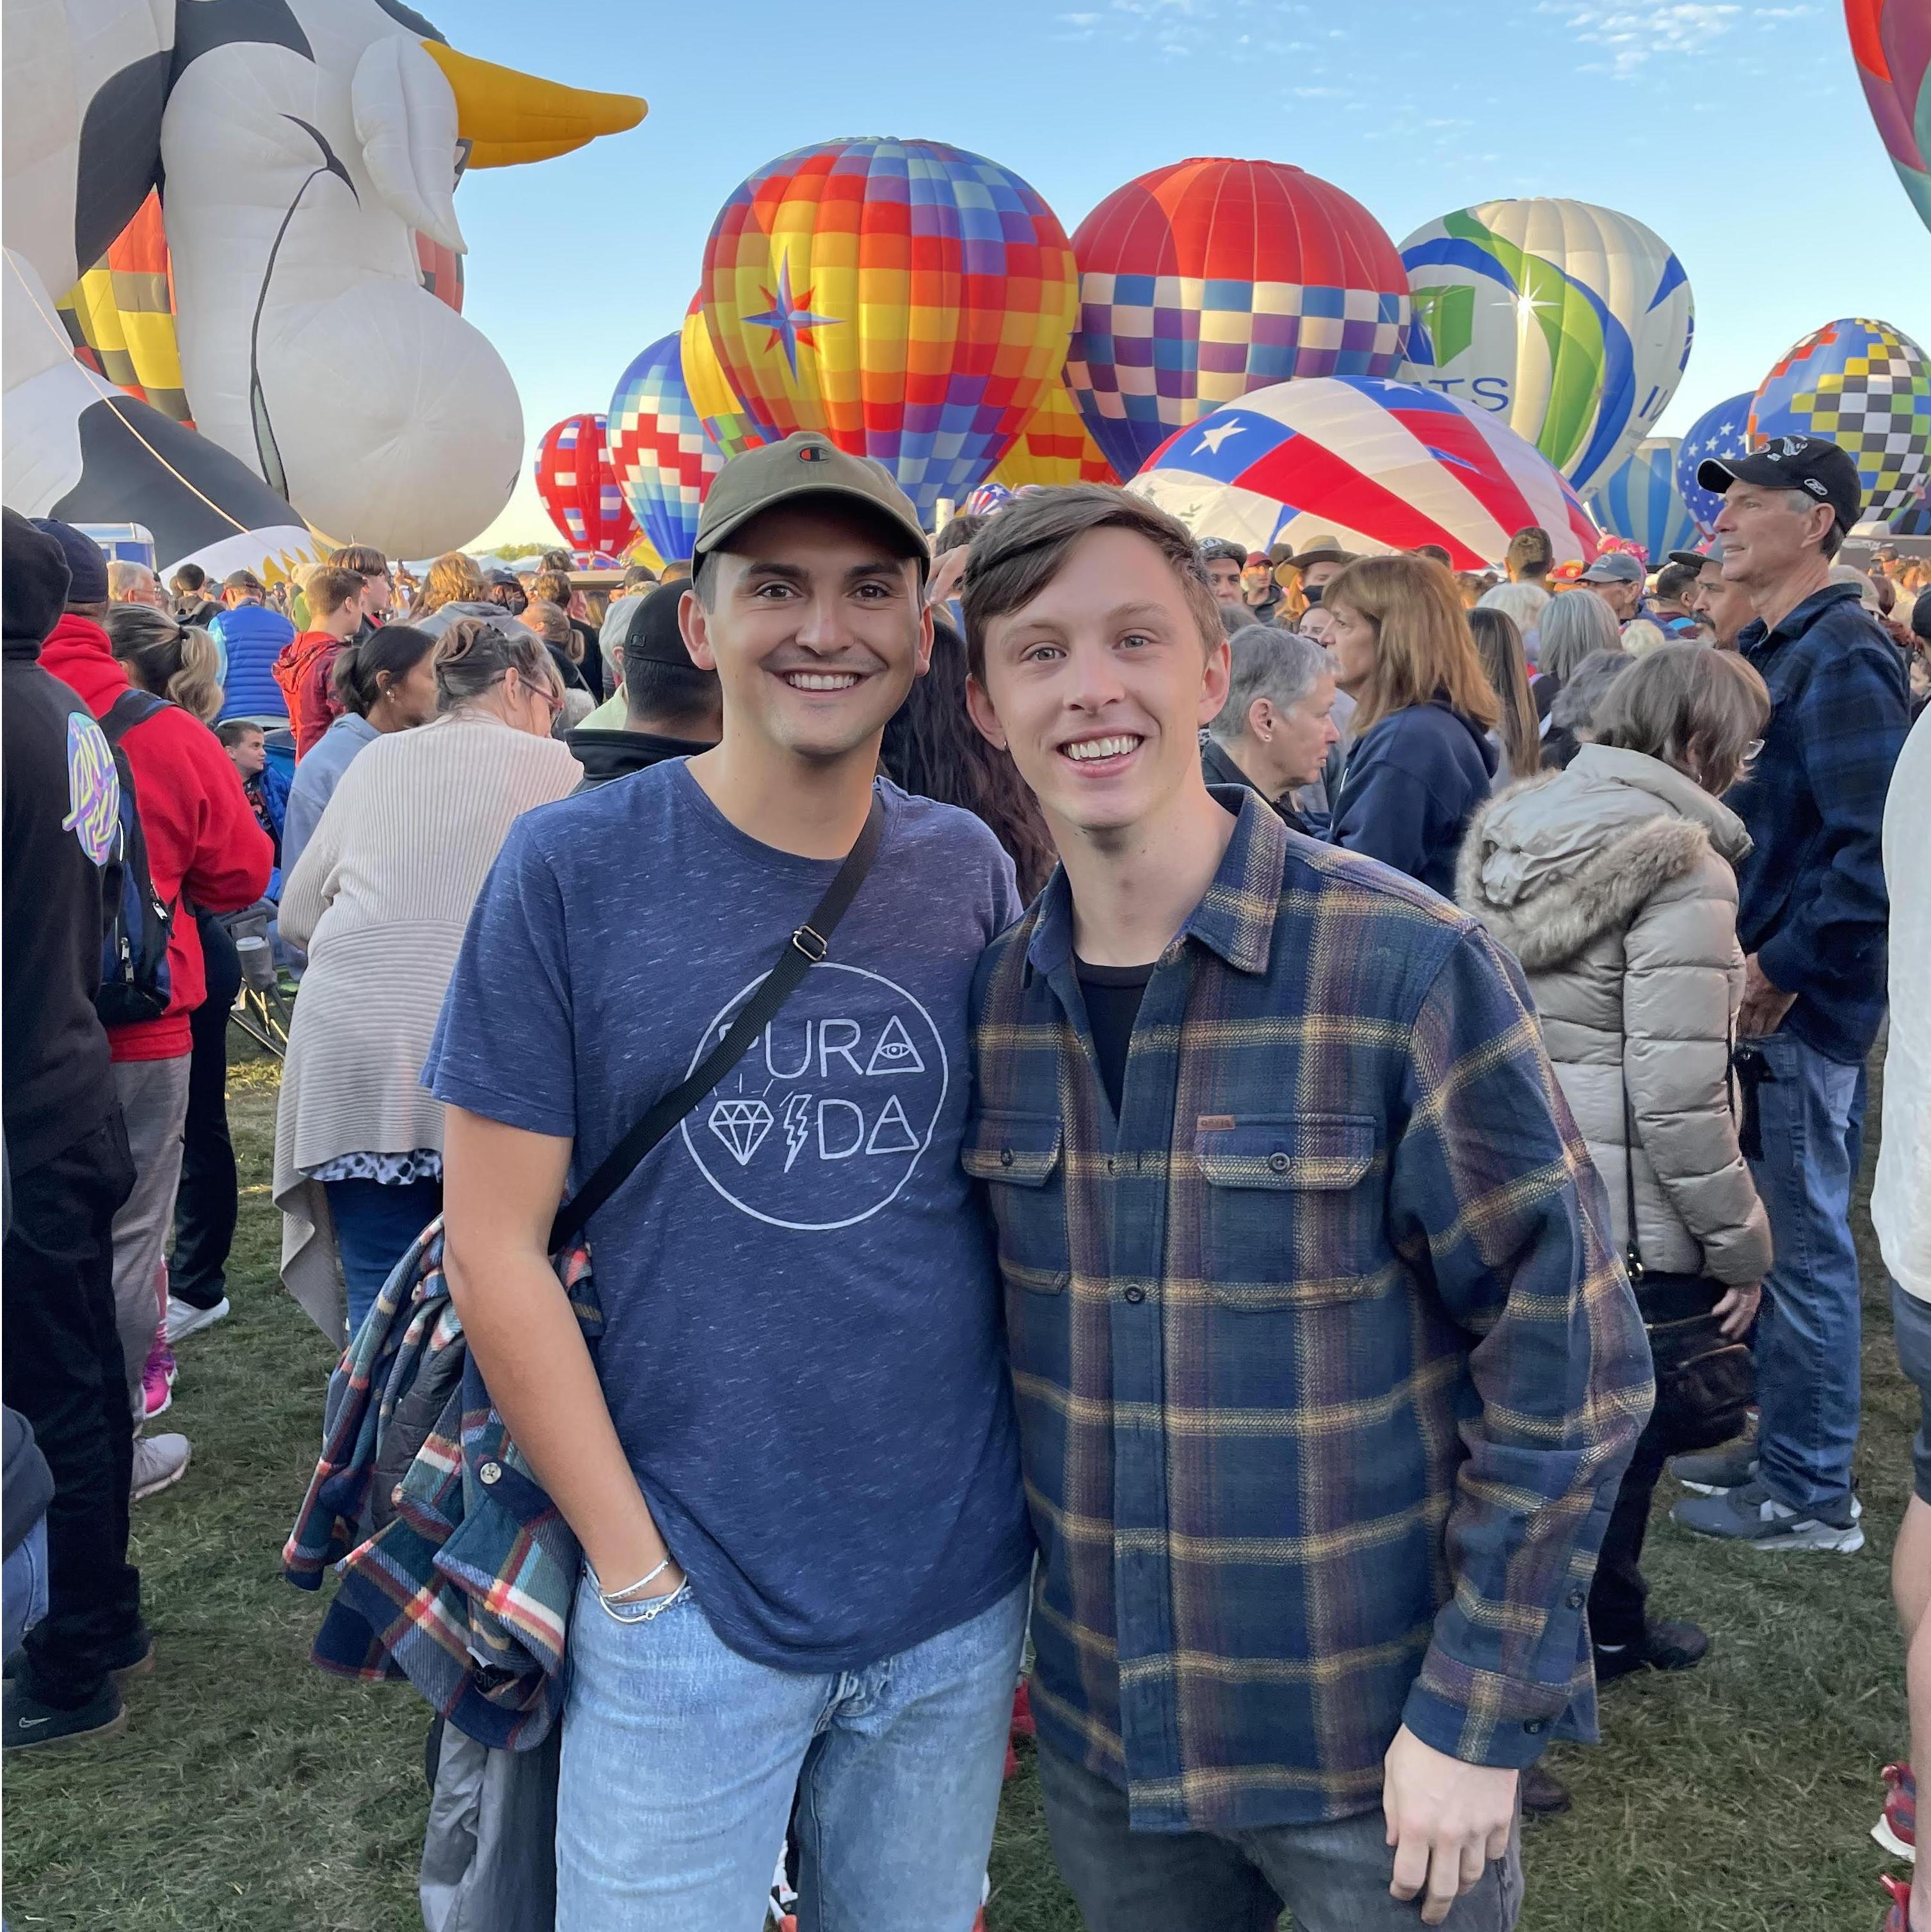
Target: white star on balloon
<point x="1212" y="439"/>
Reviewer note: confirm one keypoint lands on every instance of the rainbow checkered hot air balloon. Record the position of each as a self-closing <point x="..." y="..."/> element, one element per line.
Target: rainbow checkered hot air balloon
<point x="1723" y="431"/>
<point x="1572" y="322"/>
<point x="663" y="457"/>
<point x="1055" y="447"/>
<point x="1638" y="499"/>
<point x="909" y="300"/>
<point x="580" y="489"/>
<point x="1891" y="40"/>
<point x="1201" y="281"/>
<point x="1381" y="465"/>
<point x="726" y="420"/>
<point x="1865" y="386"/>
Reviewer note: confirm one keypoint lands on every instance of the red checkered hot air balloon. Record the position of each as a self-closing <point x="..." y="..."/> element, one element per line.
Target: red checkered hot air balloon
<point x="580" y="490"/>
<point x="1204" y="280"/>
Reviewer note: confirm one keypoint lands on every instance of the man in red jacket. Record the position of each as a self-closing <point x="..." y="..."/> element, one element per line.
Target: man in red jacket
<point x="306" y="669"/>
<point x="203" y="846"/>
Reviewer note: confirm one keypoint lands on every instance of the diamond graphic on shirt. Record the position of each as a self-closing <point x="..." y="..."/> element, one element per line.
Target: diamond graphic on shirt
<point x="742" y="1125"/>
<point x="829" y="1116"/>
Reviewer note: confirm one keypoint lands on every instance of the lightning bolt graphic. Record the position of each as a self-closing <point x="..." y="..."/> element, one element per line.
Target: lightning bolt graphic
<point x="796" y="1117"/>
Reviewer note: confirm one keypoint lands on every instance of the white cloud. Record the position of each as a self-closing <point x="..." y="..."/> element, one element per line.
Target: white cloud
<point x="1635" y="32"/>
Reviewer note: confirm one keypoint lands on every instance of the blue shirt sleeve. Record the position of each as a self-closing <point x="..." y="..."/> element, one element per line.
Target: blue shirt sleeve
<point x="503" y="1046"/>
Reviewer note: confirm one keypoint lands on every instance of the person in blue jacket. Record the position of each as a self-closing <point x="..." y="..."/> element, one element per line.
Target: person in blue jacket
<point x="1421" y="761"/>
<point x="251" y="637"/>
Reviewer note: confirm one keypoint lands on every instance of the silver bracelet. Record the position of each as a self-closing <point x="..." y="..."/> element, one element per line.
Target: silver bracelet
<point x="630" y="1590"/>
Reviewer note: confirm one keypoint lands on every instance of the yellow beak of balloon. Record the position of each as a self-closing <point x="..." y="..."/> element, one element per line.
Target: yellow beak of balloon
<point x="509" y="117"/>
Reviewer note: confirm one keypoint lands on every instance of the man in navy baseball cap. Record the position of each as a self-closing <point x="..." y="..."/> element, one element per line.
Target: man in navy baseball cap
<point x="1821" y="470"/>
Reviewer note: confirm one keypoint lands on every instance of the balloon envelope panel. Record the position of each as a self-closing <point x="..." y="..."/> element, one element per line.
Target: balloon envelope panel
<point x="1202" y="280"/>
<point x="663" y="459"/>
<point x="909" y="300"/>
<point x="1054" y="447"/>
<point x="726" y="421"/>
<point x="1720" y="432"/>
<point x="1891" y="40"/>
<point x="1639" y="500"/>
<point x="1383" y="465"/>
<point x="580" y="489"/>
<point x="1573" y="322"/>
<point x="1865" y="386"/>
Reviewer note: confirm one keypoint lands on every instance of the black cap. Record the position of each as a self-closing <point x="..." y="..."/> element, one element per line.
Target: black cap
<point x="1820" y="470"/>
<point x="653" y="635"/>
<point x="86" y="561"/>
<point x="34" y="576"/>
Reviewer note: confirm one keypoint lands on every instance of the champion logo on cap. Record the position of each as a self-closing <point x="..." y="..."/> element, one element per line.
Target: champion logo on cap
<point x="810" y="452"/>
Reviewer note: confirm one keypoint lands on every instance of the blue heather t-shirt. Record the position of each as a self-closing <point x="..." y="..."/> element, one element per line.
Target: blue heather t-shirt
<point x="803" y="1352"/>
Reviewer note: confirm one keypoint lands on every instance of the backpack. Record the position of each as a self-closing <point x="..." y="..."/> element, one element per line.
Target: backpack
<point x="135" y="983"/>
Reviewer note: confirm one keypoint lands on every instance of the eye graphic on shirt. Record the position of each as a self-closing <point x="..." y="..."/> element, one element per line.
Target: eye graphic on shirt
<point x="825" y="1120"/>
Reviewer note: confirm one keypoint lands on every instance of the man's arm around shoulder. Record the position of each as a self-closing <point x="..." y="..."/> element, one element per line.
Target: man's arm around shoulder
<point x="501" y="1188"/>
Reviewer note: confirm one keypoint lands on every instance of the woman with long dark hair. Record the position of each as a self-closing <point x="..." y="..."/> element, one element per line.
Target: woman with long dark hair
<point x="1517" y="735"/>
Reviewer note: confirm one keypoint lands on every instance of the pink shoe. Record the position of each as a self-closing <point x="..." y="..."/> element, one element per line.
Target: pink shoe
<point x="157" y="1382"/>
<point x="1896" y="1830"/>
<point x="1898" y="1918"/>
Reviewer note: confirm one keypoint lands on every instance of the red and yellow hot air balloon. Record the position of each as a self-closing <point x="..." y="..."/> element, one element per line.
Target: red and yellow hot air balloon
<point x="909" y="300"/>
<point x="1054" y="447"/>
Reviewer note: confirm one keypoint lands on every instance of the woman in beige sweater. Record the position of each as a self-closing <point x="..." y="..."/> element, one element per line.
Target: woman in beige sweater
<point x="379" y="899"/>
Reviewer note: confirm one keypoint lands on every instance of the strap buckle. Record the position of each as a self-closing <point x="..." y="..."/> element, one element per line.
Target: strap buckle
<point x="805" y="939"/>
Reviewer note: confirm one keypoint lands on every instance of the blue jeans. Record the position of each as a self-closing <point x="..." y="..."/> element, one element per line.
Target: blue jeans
<point x="1810" y="1112"/>
<point x="680" y="1760"/>
<point x="374" y="1224"/>
<point x="1333" y="1877"/>
<point x="23" y="1587"/>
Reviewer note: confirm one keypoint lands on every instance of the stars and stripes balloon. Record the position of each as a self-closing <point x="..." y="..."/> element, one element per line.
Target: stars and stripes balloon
<point x="911" y="300"/>
<point x="1721" y="432"/>
<point x="1054" y="447"/>
<point x="662" y="458"/>
<point x="580" y="489"/>
<point x="1382" y="465"/>
<point x="1572" y="322"/>
<point x="1891" y="40"/>
<point x="1865" y="386"/>
<point x="1638" y="499"/>
<point x="1202" y="280"/>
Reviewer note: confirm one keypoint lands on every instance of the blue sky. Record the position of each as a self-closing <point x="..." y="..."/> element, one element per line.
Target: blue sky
<point x="1738" y="132"/>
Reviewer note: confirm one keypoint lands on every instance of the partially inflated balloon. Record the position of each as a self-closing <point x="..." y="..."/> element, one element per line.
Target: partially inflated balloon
<point x="580" y="489"/>
<point x="1865" y="386"/>
<point x="1206" y="279"/>
<point x="1571" y="322"/>
<point x="1638" y="499"/>
<point x="1721" y="432"/>
<point x="1380" y="465"/>
<point x="726" y="420"/>
<point x="1891" y="40"/>
<point x="911" y="300"/>
<point x="1054" y="447"/>
<point x="663" y="459"/>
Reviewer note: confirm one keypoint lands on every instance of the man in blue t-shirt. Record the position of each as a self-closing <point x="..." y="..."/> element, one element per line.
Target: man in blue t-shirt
<point x="791" y="1463"/>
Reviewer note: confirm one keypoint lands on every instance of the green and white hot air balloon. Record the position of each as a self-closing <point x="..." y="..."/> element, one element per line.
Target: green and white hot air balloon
<point x="1572" y="322"/>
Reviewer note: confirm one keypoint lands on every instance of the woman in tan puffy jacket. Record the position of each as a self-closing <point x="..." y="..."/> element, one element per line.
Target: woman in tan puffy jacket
<point x="1611" y="883"/>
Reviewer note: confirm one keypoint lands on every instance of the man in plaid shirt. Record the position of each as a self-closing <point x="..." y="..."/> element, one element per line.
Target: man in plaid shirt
<point x="1326" y="1368"/>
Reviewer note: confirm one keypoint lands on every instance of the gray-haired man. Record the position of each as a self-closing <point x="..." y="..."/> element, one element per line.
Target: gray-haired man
<point x="1274" y="732"/>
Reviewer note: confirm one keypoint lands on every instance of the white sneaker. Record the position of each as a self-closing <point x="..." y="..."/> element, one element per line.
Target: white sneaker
<point x="185" y="1319"/>
<point x="160" y="1461"/>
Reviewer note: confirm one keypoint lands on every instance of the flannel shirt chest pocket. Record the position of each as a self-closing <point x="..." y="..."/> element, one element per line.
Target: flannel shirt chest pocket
<point x="1020" y="1156"/>
<point x="1289" y="1216"/>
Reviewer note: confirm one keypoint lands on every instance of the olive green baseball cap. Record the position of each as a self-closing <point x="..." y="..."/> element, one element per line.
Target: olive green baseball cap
<point x="805" y="464"/>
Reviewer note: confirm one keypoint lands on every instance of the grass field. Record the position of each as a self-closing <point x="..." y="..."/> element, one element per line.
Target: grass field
<point x="252" y="1794"/>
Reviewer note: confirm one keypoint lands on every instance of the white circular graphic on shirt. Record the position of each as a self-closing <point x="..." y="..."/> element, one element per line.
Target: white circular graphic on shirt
<point x="827" y="1117"/>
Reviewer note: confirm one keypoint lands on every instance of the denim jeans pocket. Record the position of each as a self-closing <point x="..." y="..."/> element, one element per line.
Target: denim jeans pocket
<point x="636" y="1609"/>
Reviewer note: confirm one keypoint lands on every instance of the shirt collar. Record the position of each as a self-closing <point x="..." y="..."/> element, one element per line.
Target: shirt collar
<point x="1798" y="618"/>
<point x="1235" y="917"/>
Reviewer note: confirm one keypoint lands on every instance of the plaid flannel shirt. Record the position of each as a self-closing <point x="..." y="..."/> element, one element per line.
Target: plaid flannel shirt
<point x="466" y="1590"/>
<point x="1813" y="905"/>
<point x="1327" y="1369"/>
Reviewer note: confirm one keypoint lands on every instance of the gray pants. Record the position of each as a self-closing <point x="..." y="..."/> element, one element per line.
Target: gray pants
<point x="154" y="1104"/>
<point x="1334" y="1878"/>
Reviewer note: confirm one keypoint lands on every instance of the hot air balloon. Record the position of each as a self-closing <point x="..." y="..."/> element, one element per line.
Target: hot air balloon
<point x="663" y="459"/>
<point x="579" y="487"/>
<point x="726" y="420"/>
<point x="1865" y="386"/>
<point x="1382" y="465"/>
<point x="910" y="300"/>
<point x="1639" y="500"/>
<point x="1201" y="281"/>
<point x="1891" y="40"/>
<point x="1572" y="322"/>
<point x="1054" y="447"/>
<point x="1723" y="431"/>
<point x="986" y="499"/>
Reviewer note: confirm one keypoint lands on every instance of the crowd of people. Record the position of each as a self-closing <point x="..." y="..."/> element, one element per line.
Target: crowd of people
<point x="1281" y="1090"/>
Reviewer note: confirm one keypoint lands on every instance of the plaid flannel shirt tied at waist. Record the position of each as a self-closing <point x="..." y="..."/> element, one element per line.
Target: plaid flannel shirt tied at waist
<point x="465" y="1587"/>
<point x="1327" y="1370"/>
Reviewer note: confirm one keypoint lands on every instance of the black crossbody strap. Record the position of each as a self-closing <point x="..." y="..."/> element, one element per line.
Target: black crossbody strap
<point x="803" y="951"/>
<point x="1632" y="1254"/>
